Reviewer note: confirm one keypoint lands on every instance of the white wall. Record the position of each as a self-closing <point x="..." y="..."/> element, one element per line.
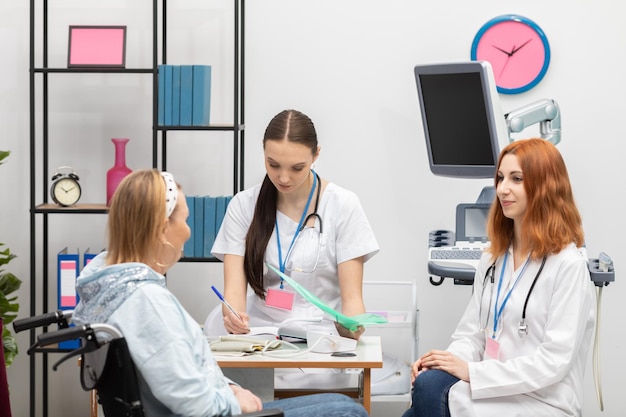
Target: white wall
<point x="348" y="64"/>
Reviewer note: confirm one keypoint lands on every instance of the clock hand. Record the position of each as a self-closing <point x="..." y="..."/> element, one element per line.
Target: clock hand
<point x="67" y="191"/>
<point x="520" y="47"/>
<point x="504" y="66"/>
<point x="502" y="50"/>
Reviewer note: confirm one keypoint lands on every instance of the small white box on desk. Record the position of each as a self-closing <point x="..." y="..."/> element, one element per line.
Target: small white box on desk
<point x="320" y="342"/>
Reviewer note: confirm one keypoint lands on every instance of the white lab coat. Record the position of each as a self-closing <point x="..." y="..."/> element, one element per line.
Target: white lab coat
<point x="346" y="235"/>
<point x="540" y="374"/>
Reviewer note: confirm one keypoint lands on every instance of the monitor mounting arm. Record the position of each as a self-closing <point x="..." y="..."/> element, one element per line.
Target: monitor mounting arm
<point x="545" y="112"/>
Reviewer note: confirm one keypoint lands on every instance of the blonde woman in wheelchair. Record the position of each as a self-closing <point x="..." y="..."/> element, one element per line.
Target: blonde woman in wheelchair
<point x="125" y="287"/>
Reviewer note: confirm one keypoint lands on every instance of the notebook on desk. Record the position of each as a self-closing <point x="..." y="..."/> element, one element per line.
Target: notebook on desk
<point x="471" y="237"/>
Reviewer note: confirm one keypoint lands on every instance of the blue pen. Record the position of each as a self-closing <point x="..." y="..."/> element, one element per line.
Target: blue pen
<point x="223" y="300"/>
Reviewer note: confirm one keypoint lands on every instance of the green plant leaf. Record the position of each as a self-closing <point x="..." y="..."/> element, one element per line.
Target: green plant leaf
<point x="9" y="283"/>
<point x="8" y="305"/>
<point x="6" y="255"/>
<point x="10" y="346"/>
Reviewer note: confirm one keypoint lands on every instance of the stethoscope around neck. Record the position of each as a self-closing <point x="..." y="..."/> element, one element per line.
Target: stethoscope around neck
<point x="317" y="186"/>
<point x="522" y="329"/>
<point x="313" y="215"/>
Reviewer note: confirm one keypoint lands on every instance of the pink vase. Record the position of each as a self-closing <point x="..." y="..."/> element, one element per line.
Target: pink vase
<point x="117" y="173"/>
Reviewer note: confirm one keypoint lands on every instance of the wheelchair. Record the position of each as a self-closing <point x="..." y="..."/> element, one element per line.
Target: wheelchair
<point x="106" y="366"/>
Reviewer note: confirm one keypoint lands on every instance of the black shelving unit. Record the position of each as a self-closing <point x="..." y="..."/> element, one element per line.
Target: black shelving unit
<point x="237" y="128"/>
<point x="39" y="147"/>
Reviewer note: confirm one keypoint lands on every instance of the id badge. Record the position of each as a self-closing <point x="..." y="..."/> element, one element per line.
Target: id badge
<point x="492" y="348"/>
<point x="279" y="299"/>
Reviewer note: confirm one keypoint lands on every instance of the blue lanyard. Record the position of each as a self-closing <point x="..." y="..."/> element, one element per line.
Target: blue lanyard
<point x="498" y="312"/>
<point x="281" y="262"/>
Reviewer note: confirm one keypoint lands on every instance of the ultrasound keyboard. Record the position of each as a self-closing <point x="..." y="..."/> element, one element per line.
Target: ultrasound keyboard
<point x="463" y="256"/>
<point x="456" y="252"/>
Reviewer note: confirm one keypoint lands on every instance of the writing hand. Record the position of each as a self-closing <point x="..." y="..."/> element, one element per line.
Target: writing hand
<point x="235" y="326"/>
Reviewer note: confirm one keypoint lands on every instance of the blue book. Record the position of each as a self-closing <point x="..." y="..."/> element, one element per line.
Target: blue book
<point x="188" y="247"/>
<point x="88" y="255"/>
<point x="186" y="94"/>
<point x="67" y="298"/>
<point x="161" y="96"/>
<point x="201" y="106"/>
<point x="220" y="211"/>
<point x="167" y="97"/>
<point x="210" y="206"/>
<point x="198" y="232"/>
<point x="176" y="95"/>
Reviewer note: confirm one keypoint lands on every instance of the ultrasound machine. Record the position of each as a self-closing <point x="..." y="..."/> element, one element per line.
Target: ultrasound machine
<point x="464" y="128"/>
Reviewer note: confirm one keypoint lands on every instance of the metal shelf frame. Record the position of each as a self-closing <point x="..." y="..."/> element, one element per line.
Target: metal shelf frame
<point x="39" y="147"/>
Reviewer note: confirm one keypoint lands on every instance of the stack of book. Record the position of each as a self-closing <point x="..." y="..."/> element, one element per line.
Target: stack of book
<point x="205" y="218"/>
<point x="184" y="95"/>
<point x="68" y="268"/>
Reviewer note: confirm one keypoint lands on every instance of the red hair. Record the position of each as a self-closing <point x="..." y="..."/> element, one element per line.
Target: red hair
<point x="552" y="220"/>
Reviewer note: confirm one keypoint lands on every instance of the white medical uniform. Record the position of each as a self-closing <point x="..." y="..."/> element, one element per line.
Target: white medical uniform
<point x="346" y="235"/>
<point x="540" y="374"/>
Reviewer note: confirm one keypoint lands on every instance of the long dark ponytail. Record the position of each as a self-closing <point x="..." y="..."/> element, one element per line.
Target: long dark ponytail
<point x="296" y="127"/>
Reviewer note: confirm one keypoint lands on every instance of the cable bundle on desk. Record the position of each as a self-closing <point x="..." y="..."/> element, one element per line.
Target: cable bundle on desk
<point x="290" y="353"/>
<point x="239" y="345"/>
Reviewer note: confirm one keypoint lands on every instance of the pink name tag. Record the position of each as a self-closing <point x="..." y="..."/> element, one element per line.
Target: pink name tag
<point x="492" y="349"/>
<point x="279" y="299"/>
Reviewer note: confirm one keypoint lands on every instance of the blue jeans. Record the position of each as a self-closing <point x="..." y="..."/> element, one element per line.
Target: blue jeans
<point x="430" y="394"/>
<point x="319" y="405"/>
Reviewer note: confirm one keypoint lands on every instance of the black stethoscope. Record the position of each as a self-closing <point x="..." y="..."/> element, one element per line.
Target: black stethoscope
<point x="317" y="201"/>
<point x="522" y="329"/>
<point x="313" y="215"/>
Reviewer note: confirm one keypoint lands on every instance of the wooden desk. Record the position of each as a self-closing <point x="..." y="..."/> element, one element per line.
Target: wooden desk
<point x="368" y="355"/>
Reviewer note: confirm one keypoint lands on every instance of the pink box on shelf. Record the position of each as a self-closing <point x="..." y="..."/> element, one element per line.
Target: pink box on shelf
<point x="97" y="47"/>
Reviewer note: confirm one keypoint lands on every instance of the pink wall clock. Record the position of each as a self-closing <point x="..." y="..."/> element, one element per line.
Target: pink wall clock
<point x="517" y="49"/>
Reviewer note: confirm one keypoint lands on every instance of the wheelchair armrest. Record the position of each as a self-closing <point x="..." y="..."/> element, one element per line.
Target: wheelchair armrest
<point x="62" y="335"/>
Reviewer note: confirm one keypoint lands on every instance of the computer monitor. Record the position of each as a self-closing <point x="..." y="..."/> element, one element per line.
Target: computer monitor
<point x="462" y="119"/>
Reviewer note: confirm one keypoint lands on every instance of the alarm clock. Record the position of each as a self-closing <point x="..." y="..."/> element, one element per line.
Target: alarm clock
<point x="65" y="189"/>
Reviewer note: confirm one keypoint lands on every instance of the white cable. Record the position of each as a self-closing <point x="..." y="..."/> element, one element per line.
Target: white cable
<point x="596" y="350"/>
<point x="291" y="353"/>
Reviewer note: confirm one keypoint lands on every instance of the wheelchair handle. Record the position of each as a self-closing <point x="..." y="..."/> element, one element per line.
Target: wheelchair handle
<point x="42" y="320"/>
